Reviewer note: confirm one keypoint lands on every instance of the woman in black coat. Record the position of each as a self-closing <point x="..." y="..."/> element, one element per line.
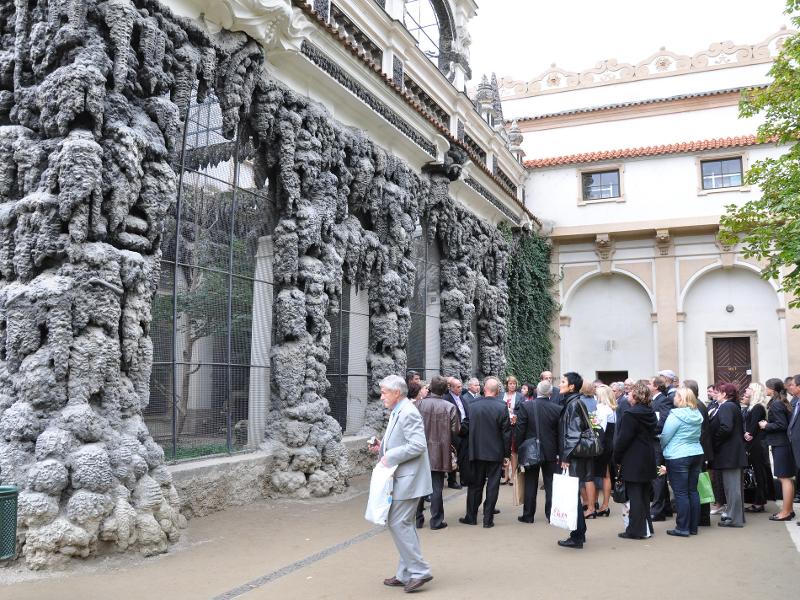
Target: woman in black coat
<point x="729" y="454"/>
<point x="635" y="453"/>
<point x="573" y="421"/>
<point x="779" y="411"/>
<point x="753" y="412"/>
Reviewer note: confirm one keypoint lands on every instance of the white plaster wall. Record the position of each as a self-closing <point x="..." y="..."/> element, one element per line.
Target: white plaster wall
<point x="653" y="130"/>
<point x="663" y="87"/>
<point x="755" y="302"/>
<point x="655" y="189"/>
<point x="603" y="308"/>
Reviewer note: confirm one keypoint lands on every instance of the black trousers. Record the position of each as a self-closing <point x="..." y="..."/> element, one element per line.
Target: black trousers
<point x="662" y="505"/>
<point x="579" y="535"/>
<point x="488" y="473"/>
<point x="437" y="503"/>
<point x="532" y="488"/>
<point x="639" y="515"/>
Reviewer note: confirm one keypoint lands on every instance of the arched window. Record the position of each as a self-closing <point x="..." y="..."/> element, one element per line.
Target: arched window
<point x="422" y="22"/>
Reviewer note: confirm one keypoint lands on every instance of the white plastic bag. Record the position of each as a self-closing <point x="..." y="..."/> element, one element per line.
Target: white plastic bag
<point x="564" y="512"/>
<point x="380" y="494"/>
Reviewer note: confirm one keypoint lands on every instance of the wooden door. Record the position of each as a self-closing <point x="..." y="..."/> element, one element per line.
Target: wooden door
<point x="732" y="361"/>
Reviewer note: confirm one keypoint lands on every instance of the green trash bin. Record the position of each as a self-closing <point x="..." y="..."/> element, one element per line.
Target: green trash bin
<point x="8" y="521"/>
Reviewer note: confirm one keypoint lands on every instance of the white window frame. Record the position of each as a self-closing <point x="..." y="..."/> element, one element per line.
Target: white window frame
<point x="620" y="168"/>
<point x="701" y="158"/>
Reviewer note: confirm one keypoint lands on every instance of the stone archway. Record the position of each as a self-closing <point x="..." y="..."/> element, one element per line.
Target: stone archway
<point x="610" y="327"/>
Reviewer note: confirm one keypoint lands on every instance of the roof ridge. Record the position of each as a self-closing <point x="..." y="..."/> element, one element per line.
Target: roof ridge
<point x="655" y="150"/>
<point x="658" y="100"/>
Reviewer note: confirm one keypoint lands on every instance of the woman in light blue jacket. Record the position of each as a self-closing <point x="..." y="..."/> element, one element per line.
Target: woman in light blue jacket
<point x="680" y="441"/>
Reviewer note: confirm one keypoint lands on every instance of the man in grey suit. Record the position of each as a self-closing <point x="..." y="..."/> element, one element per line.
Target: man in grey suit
<point x="404" y="446"/>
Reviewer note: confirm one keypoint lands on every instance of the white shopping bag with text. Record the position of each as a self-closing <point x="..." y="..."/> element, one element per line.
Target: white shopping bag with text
<point x="564" y="512"/>
<point x="380" y="494"/>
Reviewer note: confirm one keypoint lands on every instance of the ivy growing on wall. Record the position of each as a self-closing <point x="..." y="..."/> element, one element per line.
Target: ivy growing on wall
<point x="532" y="305"/>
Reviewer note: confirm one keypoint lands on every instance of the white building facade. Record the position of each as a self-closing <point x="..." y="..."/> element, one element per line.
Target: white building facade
<point x="632" y="166"/>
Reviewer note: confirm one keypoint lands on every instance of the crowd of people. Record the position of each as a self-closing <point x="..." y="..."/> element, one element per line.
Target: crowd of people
<point x="653" y="445"/>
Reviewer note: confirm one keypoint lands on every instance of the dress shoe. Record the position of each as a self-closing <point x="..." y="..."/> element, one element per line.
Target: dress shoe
<point x="658" y="518"/>
<point x="393" y="582"/>
<point x="455" y="486"/>
<point x="442" y="525"/>
<point x="570" y="543"/>
<point x="414" y="584"/>
<point x="496" y="511"/>
<point x="420" y="524"/>
<point x="693" y="533"/>
<point x="788" y="517"/>
<point x="467" y="521"/>
<point x="604" y="513"/>
<point x="524" y="520"/>
<point x="591" y="515"/>
<point x="677" y="533"/>
<point x="728" y="524"/>
<point x="488" y="525"/>
<point x="754" y="509"/>
<point x="628" y="536"/>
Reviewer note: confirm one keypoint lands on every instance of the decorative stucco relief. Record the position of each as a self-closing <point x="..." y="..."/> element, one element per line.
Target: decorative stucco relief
<point x="663" y="63"/>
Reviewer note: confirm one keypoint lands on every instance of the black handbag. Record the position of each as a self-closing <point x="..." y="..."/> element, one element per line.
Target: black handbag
<point x="749" y="477"/>
<point x="530" y="452"/>
<point x="620" y="493"/>
<point x="589" y="445"/>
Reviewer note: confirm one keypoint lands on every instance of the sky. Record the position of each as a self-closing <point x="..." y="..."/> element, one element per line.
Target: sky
<point x="522" y="38"/>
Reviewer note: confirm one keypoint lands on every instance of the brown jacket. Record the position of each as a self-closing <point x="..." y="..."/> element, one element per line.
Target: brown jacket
<point x="442" y="424"/>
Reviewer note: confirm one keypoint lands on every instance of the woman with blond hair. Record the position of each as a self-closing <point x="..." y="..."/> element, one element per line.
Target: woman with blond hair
<point x="680" y="442"/>
<point x="754" y="401"/>
<point x="604" y="466"/>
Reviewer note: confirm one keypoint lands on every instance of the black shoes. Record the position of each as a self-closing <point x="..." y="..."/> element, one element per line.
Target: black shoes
<point x="455" y="486"/>
<point x="524" y="520"/>
<point x="570" y="543"/>
<point x="488" y="525"/>
<point x="467" y="521"/>
<point x="442" y="526"/>
<point x="658" y="518"/>
<point x="788" y="517"/>
<point x="728" y="524"/>
<point x="677" y="533"/>
<point x="603" y="513"/>
<point x="627" y="536"/>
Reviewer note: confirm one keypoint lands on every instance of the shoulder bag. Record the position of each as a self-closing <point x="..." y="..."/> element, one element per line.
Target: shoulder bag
<point x="530" y="451"/>
<point x="589" y="445"/>
<point x="620" y="492"/>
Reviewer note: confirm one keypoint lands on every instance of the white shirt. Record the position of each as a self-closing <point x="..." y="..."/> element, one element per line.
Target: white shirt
<point x="603" y="413"/>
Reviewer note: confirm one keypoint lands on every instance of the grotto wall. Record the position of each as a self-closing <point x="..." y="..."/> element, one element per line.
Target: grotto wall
<point x="92" y="94"/>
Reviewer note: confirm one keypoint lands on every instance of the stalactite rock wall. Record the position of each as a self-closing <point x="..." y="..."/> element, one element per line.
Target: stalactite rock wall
<point x="91" y="97"/>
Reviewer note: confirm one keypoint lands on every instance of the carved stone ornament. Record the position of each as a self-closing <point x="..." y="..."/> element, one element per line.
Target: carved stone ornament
<point x="663" y="241"/>
<point x="273" y="23"/>
<point x="663" y="63"/>
<point x="603" y="246"/>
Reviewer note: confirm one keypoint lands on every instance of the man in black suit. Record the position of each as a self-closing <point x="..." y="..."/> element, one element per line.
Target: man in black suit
<point x="538" y="419"/>
<point x="489" y="443"/>
<point x="473" y="391"/>
<point x="555" y="394"/>
<point x="662" y="404"/>
<point x="794" y="429"/>
<point x="453" y="396"/>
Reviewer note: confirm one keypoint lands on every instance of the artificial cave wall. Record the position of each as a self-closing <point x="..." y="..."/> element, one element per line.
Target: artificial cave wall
<point x="92" y="98"/>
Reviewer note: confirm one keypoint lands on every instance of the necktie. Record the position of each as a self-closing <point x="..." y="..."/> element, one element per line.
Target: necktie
<point x="459" y="405"/>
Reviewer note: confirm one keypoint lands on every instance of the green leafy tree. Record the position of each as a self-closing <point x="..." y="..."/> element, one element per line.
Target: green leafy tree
<point x="769" y="228"/>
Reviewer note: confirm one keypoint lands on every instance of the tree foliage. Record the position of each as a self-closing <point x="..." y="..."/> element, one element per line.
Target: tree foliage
<point x="769" y="228"/>
<point x="532" y="306"/>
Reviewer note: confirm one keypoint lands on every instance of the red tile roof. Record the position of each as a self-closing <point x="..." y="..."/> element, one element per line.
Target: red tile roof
<point x="679" y="148"/>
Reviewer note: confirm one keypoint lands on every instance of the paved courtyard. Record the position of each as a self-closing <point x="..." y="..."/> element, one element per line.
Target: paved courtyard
<point x="325" y="549"/>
